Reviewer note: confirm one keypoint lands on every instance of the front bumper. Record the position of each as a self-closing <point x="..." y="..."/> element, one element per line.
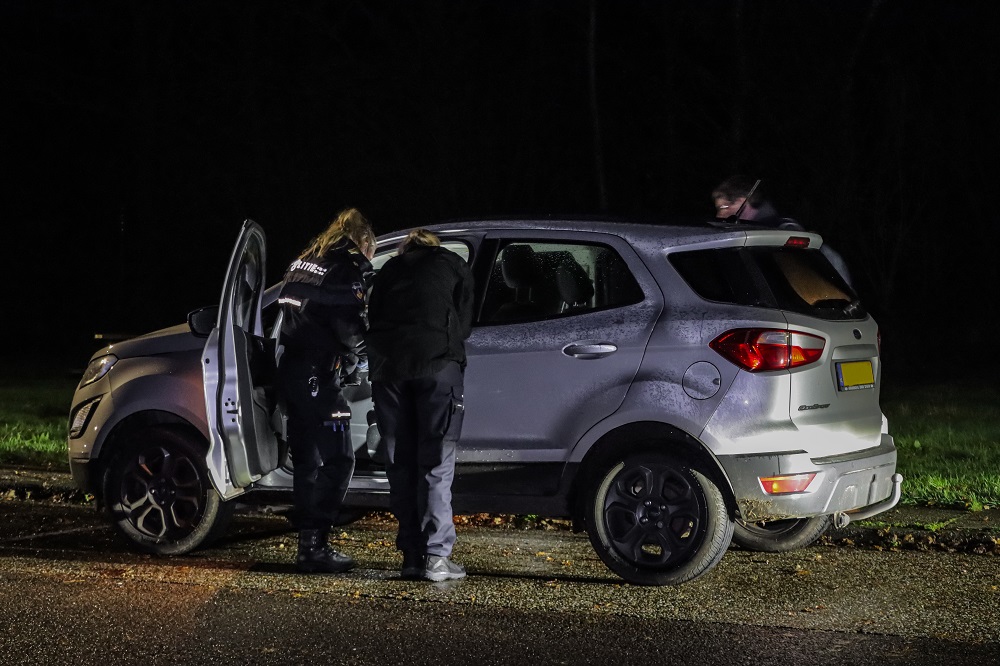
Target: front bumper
<point x="844" y="484"/>
<point x="84" y="477"/>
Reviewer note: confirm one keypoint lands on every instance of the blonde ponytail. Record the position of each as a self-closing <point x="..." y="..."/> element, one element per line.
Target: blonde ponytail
<point x="349" y="223"/>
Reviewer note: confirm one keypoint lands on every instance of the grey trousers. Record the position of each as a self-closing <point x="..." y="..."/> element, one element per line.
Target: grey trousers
<point x="420" y="421"/>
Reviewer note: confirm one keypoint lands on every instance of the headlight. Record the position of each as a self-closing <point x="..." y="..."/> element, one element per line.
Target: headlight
<point x="97" y="369"/>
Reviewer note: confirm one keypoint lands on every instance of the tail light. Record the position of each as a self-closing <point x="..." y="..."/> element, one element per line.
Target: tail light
<point x="762" y="349"/>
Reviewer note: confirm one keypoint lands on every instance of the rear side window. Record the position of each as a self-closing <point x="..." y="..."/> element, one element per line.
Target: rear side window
<point x="792" y="279"/>
<point x="534" y="280"/>
<point x="719" y="275"/>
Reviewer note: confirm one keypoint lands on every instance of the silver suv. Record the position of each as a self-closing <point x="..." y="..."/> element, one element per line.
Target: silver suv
<point x="669" y="388"/>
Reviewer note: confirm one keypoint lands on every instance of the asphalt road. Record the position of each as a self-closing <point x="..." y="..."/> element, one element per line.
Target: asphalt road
<point x="71" y="593"/>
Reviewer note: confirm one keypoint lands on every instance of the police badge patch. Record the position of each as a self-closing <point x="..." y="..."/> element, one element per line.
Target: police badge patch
<point x="359" y="291"/>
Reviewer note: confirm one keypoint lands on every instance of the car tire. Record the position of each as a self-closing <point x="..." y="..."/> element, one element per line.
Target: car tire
<point x="159" y="494"/>
<point x="655" y="520"/>
<point x="779" y="536"/>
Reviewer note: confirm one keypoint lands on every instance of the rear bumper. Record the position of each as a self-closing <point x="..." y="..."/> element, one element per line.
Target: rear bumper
<point x="849" y="483"/>
<point x="843" y="518"/>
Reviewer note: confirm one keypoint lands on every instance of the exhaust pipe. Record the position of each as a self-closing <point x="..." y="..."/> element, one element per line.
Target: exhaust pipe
<point x="842" y="519"/>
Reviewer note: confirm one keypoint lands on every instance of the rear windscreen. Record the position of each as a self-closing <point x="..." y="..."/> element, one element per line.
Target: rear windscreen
<point x="792" y="279"/>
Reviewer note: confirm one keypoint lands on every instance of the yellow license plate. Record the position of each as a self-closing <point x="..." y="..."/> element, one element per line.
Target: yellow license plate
<point x="855" y="375"/>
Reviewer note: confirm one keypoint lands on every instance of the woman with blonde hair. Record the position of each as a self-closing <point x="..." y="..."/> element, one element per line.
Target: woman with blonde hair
<point x="322" y="301"/>
<point x="349" y="223"/>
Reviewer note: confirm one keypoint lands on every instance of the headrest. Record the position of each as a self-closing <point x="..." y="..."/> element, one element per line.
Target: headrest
<point x="520" y="267"/>
<point x="573" y="284"/>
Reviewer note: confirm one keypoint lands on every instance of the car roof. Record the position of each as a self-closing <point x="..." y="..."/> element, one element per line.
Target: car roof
<point x="653" y="234"/>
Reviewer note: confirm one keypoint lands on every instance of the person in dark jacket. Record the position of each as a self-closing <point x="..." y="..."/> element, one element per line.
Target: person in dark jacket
<point x="322" y="301"/>
<point x="742" y="195"/>
<point x="419" y="314"/>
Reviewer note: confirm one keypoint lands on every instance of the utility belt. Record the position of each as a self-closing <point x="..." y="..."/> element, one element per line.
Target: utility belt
<point x="340" y="421"/>
<point x="339" y="418"/>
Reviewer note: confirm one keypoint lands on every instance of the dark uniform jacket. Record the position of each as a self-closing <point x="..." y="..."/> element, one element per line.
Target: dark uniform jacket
<point x="419" y="314"/>
<point x="323" y="302"/>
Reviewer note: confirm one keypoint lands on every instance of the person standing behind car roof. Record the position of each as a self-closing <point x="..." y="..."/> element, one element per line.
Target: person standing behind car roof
<point x="419" y="315"/>
<point x="743" y="195"/>
<point x="322" y="302"/>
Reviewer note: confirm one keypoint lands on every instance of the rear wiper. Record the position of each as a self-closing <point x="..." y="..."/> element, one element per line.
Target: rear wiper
<point x="853" y="308"/>
<point x="848" y="308"/>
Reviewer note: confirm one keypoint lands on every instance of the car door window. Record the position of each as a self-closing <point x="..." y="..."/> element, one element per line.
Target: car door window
<point x="533" y="280"/>
<point x="271" y="313"/>
<point x="458" y="247"/>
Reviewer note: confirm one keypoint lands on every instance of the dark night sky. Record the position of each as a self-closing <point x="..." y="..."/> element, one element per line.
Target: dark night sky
<point x="138" y="136"/>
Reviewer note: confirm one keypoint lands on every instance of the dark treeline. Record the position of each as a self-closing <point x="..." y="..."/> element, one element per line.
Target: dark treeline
<point x="143" y="133"/>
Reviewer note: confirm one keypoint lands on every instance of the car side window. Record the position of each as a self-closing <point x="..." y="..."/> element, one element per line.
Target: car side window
<point x="458" y="247"/>
<point x="533" y="280"/>
<point x="271" y="315"/>
<point x="248" y="288"/>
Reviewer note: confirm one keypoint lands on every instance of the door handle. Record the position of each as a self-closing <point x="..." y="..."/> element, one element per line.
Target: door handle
<point x="587" y="350"/>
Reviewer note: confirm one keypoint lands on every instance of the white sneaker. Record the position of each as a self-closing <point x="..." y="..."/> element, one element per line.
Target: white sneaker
<point x="440" y="568"/>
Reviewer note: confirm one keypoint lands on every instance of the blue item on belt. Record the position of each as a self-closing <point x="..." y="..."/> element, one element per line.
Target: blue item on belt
<point x="341" y="423"/>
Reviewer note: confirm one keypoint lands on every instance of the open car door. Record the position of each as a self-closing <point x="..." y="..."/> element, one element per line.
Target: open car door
<point x="238" y="368"/>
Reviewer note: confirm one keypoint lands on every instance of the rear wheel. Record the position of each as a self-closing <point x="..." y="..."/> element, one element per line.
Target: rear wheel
<point x="159" y="495"/>
<point x="654" y="520"/>
<point x="779" y="536"/>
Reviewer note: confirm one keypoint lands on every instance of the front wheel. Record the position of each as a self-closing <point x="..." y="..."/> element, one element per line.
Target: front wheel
<point x="159" y="495"/>
<point x="655" y="520"/>
<point x="779" y="536"/>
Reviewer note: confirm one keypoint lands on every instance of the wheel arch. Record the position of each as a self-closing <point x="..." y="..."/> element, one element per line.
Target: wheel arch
<point x="134" y="423"/>
<point x="142" y="505"/>
<point x="652" y="436"/>
<point x="170" y="384"/>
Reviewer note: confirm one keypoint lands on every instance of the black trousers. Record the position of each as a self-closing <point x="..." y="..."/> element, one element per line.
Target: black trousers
<point x="319" y="437"/>
<point x="420" y="421"/>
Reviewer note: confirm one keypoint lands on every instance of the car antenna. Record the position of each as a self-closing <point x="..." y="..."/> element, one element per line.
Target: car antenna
<point x="746" y="200"/>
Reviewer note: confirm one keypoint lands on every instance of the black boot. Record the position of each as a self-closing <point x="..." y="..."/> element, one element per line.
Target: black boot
<point x="316" y="556"/>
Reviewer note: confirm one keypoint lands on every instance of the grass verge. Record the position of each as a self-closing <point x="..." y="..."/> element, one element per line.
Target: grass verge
<point x="33" y="420"/>
<point x="948" y="439"/>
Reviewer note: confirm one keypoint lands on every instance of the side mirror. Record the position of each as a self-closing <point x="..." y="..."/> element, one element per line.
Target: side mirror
<point x="202" y="321"/>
